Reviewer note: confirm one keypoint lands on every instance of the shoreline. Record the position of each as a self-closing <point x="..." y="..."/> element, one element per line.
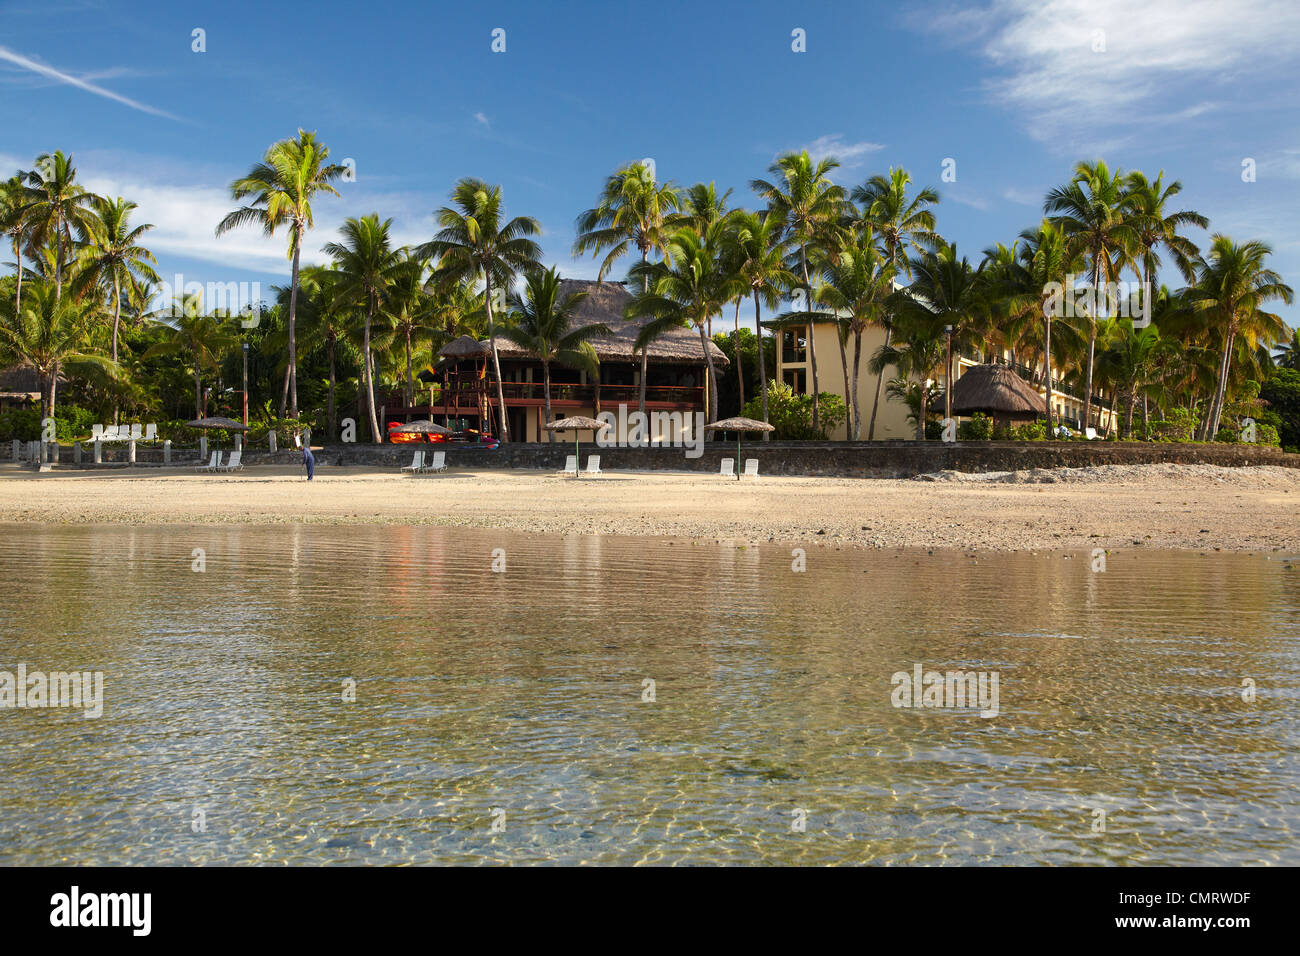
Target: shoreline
<point x="1184" y="507"/>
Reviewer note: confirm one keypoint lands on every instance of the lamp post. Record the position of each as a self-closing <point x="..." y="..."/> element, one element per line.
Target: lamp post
<point x="947" y="379"/>
<point x="245" y="384"/>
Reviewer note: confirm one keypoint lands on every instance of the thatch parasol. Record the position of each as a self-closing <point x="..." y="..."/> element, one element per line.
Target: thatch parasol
<point x="995" y="390"/>
<point x="575" y="424"/>
<point x="422" y="428"/>
<point x="463" y="347"/>
<point x="739" y="426"/>
<point x="216" y="421"/>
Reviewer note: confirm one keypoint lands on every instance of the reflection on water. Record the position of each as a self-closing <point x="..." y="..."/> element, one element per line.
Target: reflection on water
<point x="522" y="691"/>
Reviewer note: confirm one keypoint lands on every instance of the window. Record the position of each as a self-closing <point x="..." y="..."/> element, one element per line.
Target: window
<point x="794" y="345"/>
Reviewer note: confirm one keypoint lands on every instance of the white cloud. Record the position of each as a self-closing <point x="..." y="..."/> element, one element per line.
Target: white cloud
<point x="480" y="118"/>
<point x="81" y="83"/>
<point x="1084" y="71"/>
<point x="850" y="155"/>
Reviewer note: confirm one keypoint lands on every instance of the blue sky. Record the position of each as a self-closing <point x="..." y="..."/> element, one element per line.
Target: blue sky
<point x="1014" y="91"/>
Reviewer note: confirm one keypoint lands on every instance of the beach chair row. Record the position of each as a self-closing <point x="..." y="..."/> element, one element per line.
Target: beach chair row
<point x="571" y="466"/>
<point x="729" y="468"/>
<point x="234" y="463"/>
<point x="437" y="461"/>
<point x="123" y="433"/>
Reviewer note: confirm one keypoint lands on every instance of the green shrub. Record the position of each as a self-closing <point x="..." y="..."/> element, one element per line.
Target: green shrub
<point x="979" y="427"/>
<point x="1179" y="426"/>
<point x="791" y="414"/>
<point x="1030" y="431"/>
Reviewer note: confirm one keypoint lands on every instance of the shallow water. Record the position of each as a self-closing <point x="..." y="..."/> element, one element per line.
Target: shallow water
<point x="516" y="699"/>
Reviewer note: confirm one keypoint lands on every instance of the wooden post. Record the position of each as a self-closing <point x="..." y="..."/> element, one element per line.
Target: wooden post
<point x="99" y="453"/>
<point x="76" y="453"/>
<point x="130" y="451"/>
<point x="167" y="451"/>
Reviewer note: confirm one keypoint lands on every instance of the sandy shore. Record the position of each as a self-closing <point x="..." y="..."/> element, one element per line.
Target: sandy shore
<point x="1197" y="507"/>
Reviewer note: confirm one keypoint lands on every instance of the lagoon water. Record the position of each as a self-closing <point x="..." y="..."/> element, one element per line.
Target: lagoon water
<point x="505" y="717"/>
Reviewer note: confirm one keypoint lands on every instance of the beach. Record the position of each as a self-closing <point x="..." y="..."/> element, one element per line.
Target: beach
<point x="1195" y="507"/>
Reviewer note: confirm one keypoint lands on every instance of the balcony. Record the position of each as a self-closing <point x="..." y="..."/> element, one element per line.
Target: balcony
<point x="465" y="394"/>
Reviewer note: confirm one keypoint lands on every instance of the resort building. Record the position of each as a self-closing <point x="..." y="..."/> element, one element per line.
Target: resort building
<point x="794" y="367"/>
<point x="463" y="389"/>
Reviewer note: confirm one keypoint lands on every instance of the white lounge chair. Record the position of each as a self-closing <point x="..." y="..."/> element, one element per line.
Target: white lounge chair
<point x="593" y="465"/>
<point x="728" y="468"/>
<point x="218" y="466"/>
<point x="751" y="468"/>
<point x="1090" y="434"/>
<point x="110" y="433"/>
<point x="96" y="432"/>
<point x="234" y="464"/>
<point x="137" y="433"/>
<point x="150" y="432"/>
<point x="437" y="463"/>
<point x="416" y="463"/>
<point x="570" y="465"/>
<point x="210" y="466"/>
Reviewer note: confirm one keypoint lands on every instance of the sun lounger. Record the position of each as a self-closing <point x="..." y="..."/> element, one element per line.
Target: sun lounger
<point x="96" y="432"/>
<point x="593" y="465"/>
<point x="728" y="468"/>
<point x="137" y="433"/>
<point x="570" y="465"/>
<point x="150" y="432"/>
<point x="234" y="464"/>
<point x="416" y="463"/>
<point x="1090" y="434"/>
<point x="751" y="468"/>
<point x="437" y="463"/>
<point x="110" y="433"/>
<point x="210" y="466"/>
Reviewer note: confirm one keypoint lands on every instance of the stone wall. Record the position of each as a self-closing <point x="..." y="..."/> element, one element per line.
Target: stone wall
<point x="845" y="459"/>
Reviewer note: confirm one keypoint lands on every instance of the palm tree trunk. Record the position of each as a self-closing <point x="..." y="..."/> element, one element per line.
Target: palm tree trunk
<point x="645" y="352"/>
<point x="812" y="339"/>
<point x="857" y="365"/>
<point x="844" y="373"/>
<point x="331" y="415"/>
<point x="293" y="312"/>
<point x="546" y="394"/>
<point x="762" y="363"/>
<point x="1047" y="369"/>
<point x="740" y="367"/>
<point x="496" y="361"/>
<point x="922" y="409"/>
<point x="410" y="383"/>
<point x="117" y="319"/>
<point x="875" y="405"/>
<point x="712" y="380"/>
<point x="284" y="392"/>
<point x="1216" y="408"/>
<point x="58" y="258"/>
<point x="198" y="392"/>
<point x="1092" y="339"/>
<point x="369" y="368"/>
<point x="1128" y="416"/>
<point x="18" y="261"/>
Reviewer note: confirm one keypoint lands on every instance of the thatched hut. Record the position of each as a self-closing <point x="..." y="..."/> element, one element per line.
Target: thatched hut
<point x="996" y="391"/>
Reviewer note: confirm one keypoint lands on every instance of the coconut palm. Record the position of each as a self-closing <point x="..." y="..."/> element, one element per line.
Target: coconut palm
<point x="50" y="334"/>
<point x="15" y="223"/>
<point x="58" y="210"/>
<point x="687" y="289"/>
<point x="203" y="339"/>
<point x="1232" y="283"/>
<point x="1092" y="210"/>
<point x="280" y="190"/>
<point x="1158" y="229"/>
<point x="367" y="265"/>
<point x="410" y="309"/>
<point x="810" y="206"/>
<point x="542" y="323"/>
<point x="756" y="253"/>
<point x="916" y="350"/>
<point x="114" y="259"/>
<point x="477" y="242"/>
<point x="903" y="226"/>
<point x="632" y="212"/>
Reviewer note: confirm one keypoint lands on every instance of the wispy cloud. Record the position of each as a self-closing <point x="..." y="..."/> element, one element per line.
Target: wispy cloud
<point x="80" y="82"/>
<point x="850" y="155"/>
<point x="1088" y="72"/>
<point x="481" y="119"/>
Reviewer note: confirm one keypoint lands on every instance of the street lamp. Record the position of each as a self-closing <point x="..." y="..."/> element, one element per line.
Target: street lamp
<point x="245" y="384"/>
<point x="947" y="379"/>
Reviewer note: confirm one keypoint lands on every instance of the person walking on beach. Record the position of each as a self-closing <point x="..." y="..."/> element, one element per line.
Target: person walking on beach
<point x="308" y="460"/>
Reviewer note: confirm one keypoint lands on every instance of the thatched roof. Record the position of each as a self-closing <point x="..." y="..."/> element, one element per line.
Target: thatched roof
<point x="740" y="425"/>
<point x="216" y="421"/>
<point x="575" y="422"/>
<point x="422" y="428"/>
<point x="995" y="390"/>
<point x="604" y="304"/>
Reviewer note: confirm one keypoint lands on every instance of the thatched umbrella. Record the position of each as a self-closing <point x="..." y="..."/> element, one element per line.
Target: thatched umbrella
<point x="739" y="426"/>
<point x="225" y="424"/>
<point x="423" y="428"/>
<point x="995" y="390"/>
<point x="574" y="424"/>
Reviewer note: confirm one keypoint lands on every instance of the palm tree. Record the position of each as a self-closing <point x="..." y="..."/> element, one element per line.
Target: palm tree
<point x="114" y="258"/>
<point x="203" y="338"/>
<point x="1092" y="211"/>
<point x="1232" y="283"/>
<point x="542" y="323"/>
<point x="916" y="350"/>
<point x="632" y="212"/>
<point x="903" y="226"/>
<point x="15" y="222"/>
<point x="58" y="209"/>
<point x="409" y="310"/>
<point x="366" y="263"/>
<point x="475" y="242"/>
<point x="1157" y="228"/>
<point x="282" y="186"/>
<point x="811" y="207"/>
<point x="49" y="334"/>
<point x="1289" y="355"/>
<point x="757" y="253"/>
<point x="688" y="288"/>
<point x="1129" y="360"/>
